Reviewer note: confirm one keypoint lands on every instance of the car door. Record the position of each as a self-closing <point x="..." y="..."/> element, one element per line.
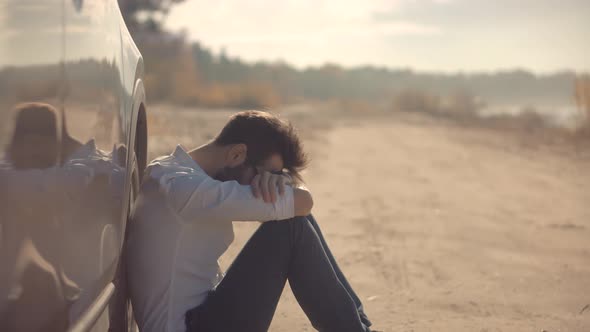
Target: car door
<point x="65" y="121"/>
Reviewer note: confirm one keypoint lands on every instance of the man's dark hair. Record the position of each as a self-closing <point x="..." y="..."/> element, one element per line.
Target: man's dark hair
<point x="265" y="134"/>
<point x="40" y="121"/>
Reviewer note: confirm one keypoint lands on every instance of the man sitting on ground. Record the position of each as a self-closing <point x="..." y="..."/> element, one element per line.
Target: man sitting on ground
<point x="182" y="224"/>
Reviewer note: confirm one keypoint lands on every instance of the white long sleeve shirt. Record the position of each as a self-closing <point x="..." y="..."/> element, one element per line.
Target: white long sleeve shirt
<point x="182" y="224"/>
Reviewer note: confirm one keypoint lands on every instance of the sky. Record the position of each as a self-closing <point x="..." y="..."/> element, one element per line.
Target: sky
<point x="427" y="35"/>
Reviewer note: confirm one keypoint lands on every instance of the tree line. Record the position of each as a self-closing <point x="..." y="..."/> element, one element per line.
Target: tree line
<point x="189" y="73"/>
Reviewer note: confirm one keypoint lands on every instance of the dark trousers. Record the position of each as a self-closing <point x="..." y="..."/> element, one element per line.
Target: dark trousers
<point x="293" y="250"/>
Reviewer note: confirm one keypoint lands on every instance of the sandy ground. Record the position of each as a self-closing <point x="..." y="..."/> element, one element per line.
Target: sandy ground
<point x="438" y="227"/>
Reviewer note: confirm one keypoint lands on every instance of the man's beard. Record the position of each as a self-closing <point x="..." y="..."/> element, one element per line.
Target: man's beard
<point x="231" y="173"/>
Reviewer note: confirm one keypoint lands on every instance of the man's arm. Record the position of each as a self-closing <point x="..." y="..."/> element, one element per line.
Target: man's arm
<point x="269" y="186"/>
<point x="197" y="198"/>
<point x="303" y="202"/>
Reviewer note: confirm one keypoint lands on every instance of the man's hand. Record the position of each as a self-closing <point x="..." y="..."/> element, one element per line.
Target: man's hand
<point x="269" y="186"/>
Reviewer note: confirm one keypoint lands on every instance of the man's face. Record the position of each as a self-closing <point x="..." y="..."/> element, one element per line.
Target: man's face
<point x="244" y="173"/>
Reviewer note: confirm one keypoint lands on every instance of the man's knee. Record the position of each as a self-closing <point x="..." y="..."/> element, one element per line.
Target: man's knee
<point x="286" y="221"/>
<point x="301" y="227"/>
<point x="299" y="220"/>
<point x="292" y="226"/>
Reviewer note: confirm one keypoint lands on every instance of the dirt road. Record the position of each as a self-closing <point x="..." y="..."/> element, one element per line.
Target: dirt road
<point x="439" y="227"/>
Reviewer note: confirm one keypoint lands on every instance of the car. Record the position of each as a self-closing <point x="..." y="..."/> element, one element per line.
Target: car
<point x="73" y="146"/>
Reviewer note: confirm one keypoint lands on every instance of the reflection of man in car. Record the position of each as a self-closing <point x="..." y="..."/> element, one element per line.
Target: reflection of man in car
<point x="31" y="276"/>
<point x="36" y="141"/>
<point x="183" y="224"/>
<point x="58" y="200"/>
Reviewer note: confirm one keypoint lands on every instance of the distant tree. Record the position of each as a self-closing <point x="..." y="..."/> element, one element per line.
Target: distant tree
<point x="146" y="14"/>
<point x="582" y="93"/>
<point x="582" y="96"/>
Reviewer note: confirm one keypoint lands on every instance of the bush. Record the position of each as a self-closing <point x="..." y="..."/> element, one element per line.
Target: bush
<point x="462" y="104"/>
<point x="416" y="101"/>
<point x="242" y="96"/>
